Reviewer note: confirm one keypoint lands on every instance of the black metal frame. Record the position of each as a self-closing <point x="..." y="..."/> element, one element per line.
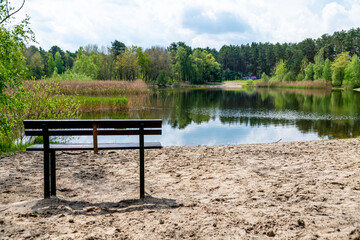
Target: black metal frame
<point x="49" y="152"/>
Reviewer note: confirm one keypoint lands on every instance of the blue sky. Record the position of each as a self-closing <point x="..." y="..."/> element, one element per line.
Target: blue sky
<point x="199" y="23"/>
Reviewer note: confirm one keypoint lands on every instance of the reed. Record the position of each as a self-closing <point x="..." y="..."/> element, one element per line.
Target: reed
<point x="103" y="87"/>
<point x="295" y="84"/>
<point x="100" y="104"/>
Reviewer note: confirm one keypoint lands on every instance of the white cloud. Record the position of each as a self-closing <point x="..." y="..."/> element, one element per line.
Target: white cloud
<point x="71" y="24"/>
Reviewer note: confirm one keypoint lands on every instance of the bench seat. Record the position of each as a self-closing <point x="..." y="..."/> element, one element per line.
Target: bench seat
<point x="90" y="146"/>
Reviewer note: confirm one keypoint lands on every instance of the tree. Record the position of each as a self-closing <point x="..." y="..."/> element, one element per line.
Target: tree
<point x="327" y="70"/>
<point x="117" y="48"/>
<point x="50" y="64"/>
<point x="319" y="64"/>
<point x="182" y="67"/>
<point x="69" y="59"/>
<point x="309" y="72"/>
<point x="352" y="73"/>
<point x="12" y="66"/>
<point x="264" y="77"/>
<point x="59" y="63"/>
<point x="127" y="66"/>
<point x="160" y="61"/>
<point x="85" y="65"/>
<point x="36" y="66"/>
<point x="143" y="62"/>
<point x="338" y="68"/>
<point x="280" y="69"/>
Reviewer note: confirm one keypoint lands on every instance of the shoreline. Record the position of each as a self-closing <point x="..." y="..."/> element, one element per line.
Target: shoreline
<point x="290" y="190"/>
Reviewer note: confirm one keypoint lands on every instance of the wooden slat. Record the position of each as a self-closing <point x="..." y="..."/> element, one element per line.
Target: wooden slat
<point x="88" y="123"/>
<point x="95" y="139"/>
<point x="101" y="146"/>
<point x="89" y="132"/>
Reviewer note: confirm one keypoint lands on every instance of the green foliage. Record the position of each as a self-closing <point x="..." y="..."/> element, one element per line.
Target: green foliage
<point x="160" y="61"/>
<point x="338" y="68"/>
<point x="280" y="71"/>
<point x="69" y="75"/>
<point x="337" y="76"/>
<point x="143" y="61"/>
<point x="12" y="69"/>
<point x="309" y="72"/>
<point x="319" y="64"/>
<point x="289" y="76"/>
<point x="162" y="79"/>
<point x="50" y="64"/>
<point x="341" y="61"/>
<point x="127" y="65"/>
<point x="204" y="66"/>
<point x="117" y="48"/>
<point x="300" y="77"/>
<point x="327" y="70"/>
<point x="250" y="82"/>
<point x="86" y="65"/>
<point x="264" y="77"/>
<point x="99" y="103"/>
<point x="352" y="73"/>
<point x="182" y="66"/>
<point x="59" y="63"/>
<point x="44" y="101"/>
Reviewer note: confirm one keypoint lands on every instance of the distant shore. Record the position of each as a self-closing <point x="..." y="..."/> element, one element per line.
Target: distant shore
<point x="295" y="190"/>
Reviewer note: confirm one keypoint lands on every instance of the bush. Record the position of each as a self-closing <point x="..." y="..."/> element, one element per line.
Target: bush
<point x="290" y="76"/>
<point x="41" y="101"/>
<point x="264" y="77"/>
<point x="69" y="75"/>
<point x="250" y="82"/>
<point x="300" y="77"/>
<point x="162" y="79"/>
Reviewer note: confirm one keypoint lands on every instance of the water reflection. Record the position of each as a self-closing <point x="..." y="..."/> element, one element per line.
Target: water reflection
<point x="213" y="116"/>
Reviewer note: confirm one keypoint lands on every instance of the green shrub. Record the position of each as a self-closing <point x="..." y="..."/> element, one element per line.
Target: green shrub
<point x="69" y="75"/>
<point x="300" y="77"/>
<point x="41" y="101"/>
<point x="250" y="82"/>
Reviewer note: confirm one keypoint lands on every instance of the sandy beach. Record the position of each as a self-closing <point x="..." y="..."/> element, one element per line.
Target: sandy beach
<point x="297" y="190"/>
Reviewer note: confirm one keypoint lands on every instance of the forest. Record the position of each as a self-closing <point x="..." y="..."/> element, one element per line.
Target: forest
<point x="330" y="57"/>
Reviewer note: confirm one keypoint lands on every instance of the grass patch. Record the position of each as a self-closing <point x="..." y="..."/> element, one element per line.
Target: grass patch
<point x="100" y="103"/>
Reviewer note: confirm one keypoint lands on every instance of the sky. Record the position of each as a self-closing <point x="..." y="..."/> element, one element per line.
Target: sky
<point x="70" y="24"/>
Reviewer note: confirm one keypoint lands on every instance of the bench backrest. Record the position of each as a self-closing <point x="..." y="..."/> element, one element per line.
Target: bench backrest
<point x="94" y="127"/>
<point x="83" y="127"/>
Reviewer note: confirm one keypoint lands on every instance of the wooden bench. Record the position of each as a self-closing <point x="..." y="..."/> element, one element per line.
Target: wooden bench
<point x="93" y="127"/>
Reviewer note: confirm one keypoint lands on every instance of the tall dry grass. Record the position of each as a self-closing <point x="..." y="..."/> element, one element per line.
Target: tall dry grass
<point x="296" y="84"/>
<point x="136" y="92"/>
<point x="103" y="87"/>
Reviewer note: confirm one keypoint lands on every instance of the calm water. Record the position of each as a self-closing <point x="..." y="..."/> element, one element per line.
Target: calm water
<point x="217" y="117"/>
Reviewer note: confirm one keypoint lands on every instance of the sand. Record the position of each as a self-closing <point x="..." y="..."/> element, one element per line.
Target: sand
<point x="298" y="190"/>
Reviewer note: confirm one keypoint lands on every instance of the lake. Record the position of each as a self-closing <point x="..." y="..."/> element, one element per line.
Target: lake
<point x="194" y="117"/>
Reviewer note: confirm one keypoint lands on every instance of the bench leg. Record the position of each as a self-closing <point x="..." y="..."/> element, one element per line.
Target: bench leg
<point x="46" y="174"/>
<point x="53" y="173"/>
<point x="142" y="162"/>
<point x="46" y="161"/>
